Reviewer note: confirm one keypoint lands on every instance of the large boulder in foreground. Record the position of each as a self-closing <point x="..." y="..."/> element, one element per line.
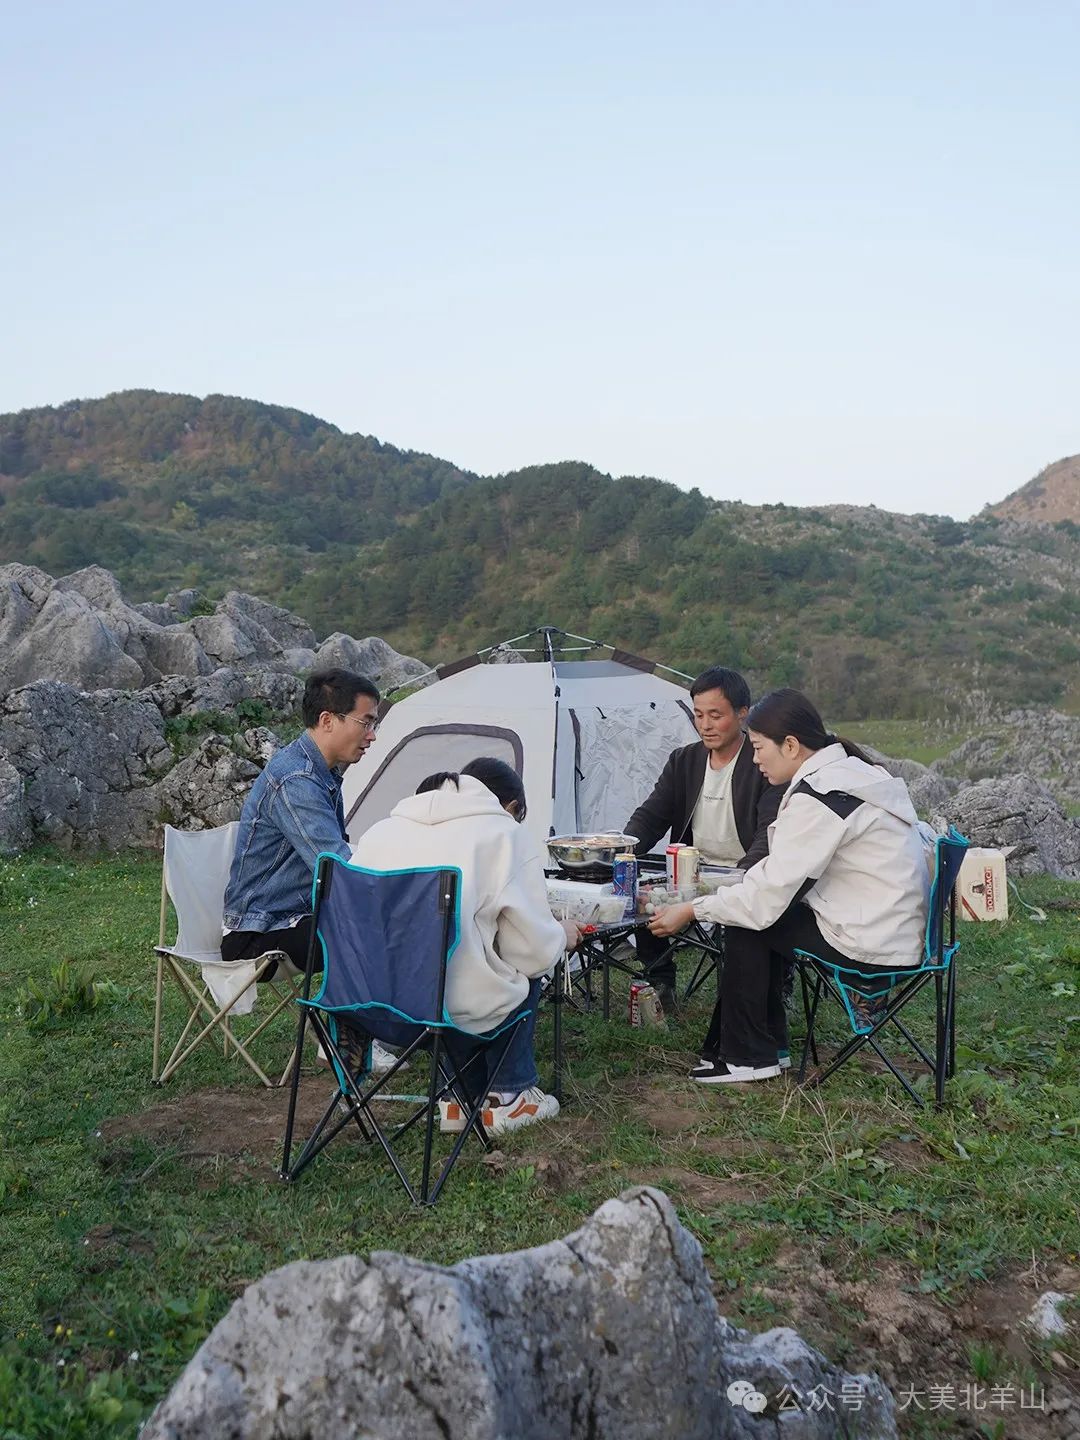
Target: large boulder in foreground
<point x="1018" y="812"/>
<point x="609" y="1334"/>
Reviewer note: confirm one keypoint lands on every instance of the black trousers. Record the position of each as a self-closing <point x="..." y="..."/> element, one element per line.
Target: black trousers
<point x="749" y="1024"/>
<point x="250" y="944"/>
<point x="657" y="957"/>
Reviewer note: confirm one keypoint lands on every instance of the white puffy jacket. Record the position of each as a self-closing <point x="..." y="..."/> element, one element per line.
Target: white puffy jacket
<point x="850" y="829"/>
<point x="508" y="933"/>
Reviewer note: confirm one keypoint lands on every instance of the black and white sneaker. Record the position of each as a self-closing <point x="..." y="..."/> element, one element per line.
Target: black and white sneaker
<point x="719" y="1072"/>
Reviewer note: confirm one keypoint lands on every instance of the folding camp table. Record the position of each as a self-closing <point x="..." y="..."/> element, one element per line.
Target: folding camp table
<point x="597" y="952"/>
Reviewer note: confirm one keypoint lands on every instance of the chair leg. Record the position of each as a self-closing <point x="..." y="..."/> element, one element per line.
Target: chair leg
<point x="429" y="1128"/>
<point x="810" y="1016"/>
<point x="557" y="1037"/>
<point x="941" y="1051"/>
<point x="219" y="1018"/>
<point x="156" y="1066"/>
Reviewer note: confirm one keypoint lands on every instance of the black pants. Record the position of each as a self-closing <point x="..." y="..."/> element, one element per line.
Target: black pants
<point x="657" y="957"/>
<point x="749" y="1024"/>
<point x="250" y="944"/>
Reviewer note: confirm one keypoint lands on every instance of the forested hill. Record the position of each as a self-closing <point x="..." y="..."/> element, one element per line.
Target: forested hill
<point x="216" y="483"/>
<point x="875" y="613"/>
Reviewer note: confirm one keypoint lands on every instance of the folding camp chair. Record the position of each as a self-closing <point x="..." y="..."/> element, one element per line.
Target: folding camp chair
<point x="386" y="938"/>
<point x="194" y="874"/>
<point x="849" y="986"/>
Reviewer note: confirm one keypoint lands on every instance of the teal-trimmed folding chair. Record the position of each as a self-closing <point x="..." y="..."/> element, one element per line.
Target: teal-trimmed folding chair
<point x="386" y="938"/>
<point x="850" y="986"/>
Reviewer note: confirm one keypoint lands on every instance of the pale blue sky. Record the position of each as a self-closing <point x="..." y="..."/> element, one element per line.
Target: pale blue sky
<point x="805" y="252"/>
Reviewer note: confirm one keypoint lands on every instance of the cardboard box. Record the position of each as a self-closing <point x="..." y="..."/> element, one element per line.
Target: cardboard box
<point x="982" y="890"/>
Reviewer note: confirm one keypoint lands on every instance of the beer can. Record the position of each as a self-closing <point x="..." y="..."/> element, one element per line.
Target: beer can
<point x="670" y="855"/>
<point x="645" y="1008"/>
<point x="635" y="1002"/>
<point x="688" y="864"/>
<point x="650" y="1010"/>
<point x="625" y="878"/>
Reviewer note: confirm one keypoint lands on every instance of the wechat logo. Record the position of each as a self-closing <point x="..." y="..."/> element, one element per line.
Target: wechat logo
<point x="746" y="1394"/>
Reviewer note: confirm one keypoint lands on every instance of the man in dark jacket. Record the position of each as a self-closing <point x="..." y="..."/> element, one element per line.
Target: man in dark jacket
<point x="710" y="794"/>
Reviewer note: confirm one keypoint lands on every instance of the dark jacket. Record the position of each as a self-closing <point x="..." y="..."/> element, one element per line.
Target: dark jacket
<point x="671" y="804"/>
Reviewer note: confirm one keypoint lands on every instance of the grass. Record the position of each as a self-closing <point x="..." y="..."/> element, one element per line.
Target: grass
<point x="129" y="1220"/>
<point x="922" y="740"/>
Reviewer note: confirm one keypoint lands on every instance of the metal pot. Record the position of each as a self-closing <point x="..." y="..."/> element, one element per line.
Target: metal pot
<point x="593" y="853"/>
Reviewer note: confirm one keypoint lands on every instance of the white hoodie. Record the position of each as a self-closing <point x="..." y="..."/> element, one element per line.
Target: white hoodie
<point x="508" y="933"/>
<point x="849" y="829"/>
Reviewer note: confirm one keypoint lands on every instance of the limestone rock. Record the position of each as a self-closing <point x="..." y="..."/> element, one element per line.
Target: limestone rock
<point x="299" y="660"/>
<point x="207" y="787"/>
<point x="64" y="639"/>
<point x="371" y="657"/>
<point x="222" y="638"/>
<point x="183" y="603"/>
<point x="1042" y="743"/>
<point x="929" y="791"/>
<point x="1046" y="1318"/>
<point x="506" y="655"/>
<point x="610" y="1334"/>
<point x="1018" y="811"/>
<point x="88" y="763"/>
<point x="183" y="695"/>
<point x="257" y="744"/>
<point x="286" y="629"/>
<point x="15" y="828"/>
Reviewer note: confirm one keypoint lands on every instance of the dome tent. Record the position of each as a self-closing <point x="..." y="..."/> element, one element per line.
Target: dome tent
<point x="588" y="737"/>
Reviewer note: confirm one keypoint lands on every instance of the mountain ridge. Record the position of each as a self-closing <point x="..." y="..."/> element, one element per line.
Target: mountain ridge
<point x="874" y="611"/>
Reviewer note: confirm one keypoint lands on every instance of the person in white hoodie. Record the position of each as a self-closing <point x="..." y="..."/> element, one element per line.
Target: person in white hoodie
<point x="845" y="879"/>
<point x="509" y="937"/>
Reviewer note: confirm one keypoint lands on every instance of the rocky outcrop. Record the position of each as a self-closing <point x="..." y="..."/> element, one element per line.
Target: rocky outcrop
<point x="929" y="791"/>
<point x="207" y="787"/>
<point x="1018" y="812"/>
<point x="81" y="631"/>
<point x="610" y="1334"/>
<point x="1042" y="743"/>
<point x="224" y="690"/>
<point x="16" y="830"/>
<point x="90" y="682"/>
<point x="373" y="657"/>
<point x="88" y="763"/>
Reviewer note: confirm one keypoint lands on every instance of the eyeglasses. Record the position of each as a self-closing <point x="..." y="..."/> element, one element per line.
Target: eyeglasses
<point x="363" y="721"/>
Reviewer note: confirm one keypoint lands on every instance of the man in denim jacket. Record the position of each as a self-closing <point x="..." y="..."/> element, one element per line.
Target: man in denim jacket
<point x="292" y="814"/>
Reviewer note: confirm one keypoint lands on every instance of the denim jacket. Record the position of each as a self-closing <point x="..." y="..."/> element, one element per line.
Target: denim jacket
<point x="292" y="813"/>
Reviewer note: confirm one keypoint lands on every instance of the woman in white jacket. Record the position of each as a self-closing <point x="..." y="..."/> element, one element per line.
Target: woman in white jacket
<point x="845" y="879"/>
<point x="509" y="937"/>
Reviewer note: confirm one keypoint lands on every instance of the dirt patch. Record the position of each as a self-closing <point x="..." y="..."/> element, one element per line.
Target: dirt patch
<point x="704" y="1192"/>
<point x="667" y="1111"/>
<point x="217" y="1124"/>
<point x="916" y="1342"/>
<point x="905" y="1154"/>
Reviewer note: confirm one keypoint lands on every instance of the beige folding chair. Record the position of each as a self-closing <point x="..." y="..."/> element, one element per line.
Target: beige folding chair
<point x="194" y="874"/>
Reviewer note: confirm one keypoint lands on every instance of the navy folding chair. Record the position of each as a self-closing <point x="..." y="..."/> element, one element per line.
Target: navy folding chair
<point x="850" y="986"/>
<point x="386" y="938"/>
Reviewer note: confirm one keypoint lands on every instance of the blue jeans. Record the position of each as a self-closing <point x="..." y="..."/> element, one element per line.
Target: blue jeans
<point x="518" y="1071"/>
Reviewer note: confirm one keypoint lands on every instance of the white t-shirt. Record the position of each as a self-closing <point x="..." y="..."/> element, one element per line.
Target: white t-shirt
<point x="713" y="825"/>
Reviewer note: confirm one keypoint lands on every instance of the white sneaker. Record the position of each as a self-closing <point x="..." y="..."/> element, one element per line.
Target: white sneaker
<point x="527" y="1108"/>
<point x="719" y="1072"/>
<point x="383" y="1059"/>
